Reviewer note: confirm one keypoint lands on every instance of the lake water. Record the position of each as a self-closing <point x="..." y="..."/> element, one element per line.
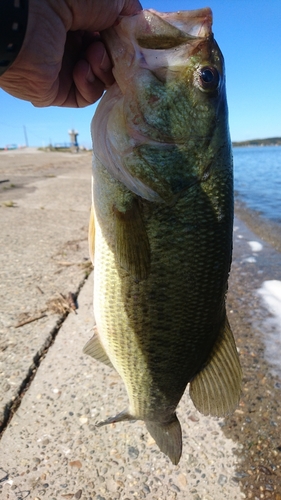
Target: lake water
<point x="257" y="179"/>
<point x="257" y="182"/>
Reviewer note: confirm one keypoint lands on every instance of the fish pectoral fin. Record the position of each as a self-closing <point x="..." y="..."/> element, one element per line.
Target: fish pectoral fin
<point x="132" y="244"/>
<point x="168" y="437"/>
<point x="216" y="389"/>
<point x="124" y="415"/>
<point x="91" y="234"/>
<point x="94" y="349"/>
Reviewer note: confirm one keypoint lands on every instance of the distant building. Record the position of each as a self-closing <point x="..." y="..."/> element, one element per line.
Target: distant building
<point x="73" y="134"/>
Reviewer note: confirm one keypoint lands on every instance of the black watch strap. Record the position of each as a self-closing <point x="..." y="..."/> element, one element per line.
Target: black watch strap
<point x="13" y="22"/>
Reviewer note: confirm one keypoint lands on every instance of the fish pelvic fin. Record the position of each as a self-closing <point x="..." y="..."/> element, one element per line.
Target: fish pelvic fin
<point x="216" y="389"/>
<point x="124" y="415"/>
<point x="91" y="235"/>
<point x="94" y="349"/>
<point x="168" y="437"/>
<point x="132" y="244"/>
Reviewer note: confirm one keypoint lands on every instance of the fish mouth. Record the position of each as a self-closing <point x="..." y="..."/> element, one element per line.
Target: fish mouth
<point x="180" y="27"/>
<point x="156" y="40"/>
<point x="195" y="23"/>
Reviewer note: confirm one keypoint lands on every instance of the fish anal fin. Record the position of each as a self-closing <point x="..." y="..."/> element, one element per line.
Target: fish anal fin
<point x="94" y="349"/>
<point x="91" y="235"/>
<point x="216" y="389"/>
<point x="132" y="244"/>
<point x="168" y="437"/>
<point x="124" y="415"/>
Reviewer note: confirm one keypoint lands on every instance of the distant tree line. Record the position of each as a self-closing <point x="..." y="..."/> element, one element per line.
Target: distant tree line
<point x="271" y="141"/>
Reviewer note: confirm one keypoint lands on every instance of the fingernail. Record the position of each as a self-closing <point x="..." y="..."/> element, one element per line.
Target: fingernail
<point x="90" y="75"/>
<point x="105" y="64"/>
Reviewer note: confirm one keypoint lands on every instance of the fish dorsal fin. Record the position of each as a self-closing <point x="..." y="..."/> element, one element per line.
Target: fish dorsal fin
<point x="168" y="437"/>
<point x="94" y="349"/>
<point x="132" y="244"/>
<point x="216" y="389"/>
<point x="91" y="235"/>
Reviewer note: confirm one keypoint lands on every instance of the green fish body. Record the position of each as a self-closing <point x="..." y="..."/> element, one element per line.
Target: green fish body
<point x="161" y="224"/>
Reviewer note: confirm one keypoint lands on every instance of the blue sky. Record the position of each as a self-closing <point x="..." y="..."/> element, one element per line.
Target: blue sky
<point x="249" y="35"/>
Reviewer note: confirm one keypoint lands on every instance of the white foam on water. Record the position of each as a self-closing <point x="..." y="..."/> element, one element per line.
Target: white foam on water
<point x="256" y="246"/>
<point x="250" y="259"/>
<point x="270" y="292"/>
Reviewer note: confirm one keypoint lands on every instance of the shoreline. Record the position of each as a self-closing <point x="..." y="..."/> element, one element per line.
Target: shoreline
<point x="256" y="422"/>
<point x="267" y="230"/>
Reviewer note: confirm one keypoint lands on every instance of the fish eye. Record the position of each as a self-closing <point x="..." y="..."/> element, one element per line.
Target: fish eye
<point x="209" y="78"/>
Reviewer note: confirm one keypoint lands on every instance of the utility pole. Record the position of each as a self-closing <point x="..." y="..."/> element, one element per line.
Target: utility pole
<point x="25" y="135"/>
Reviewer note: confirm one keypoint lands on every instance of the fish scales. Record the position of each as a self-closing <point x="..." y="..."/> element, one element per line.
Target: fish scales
<point x="161" y="227"/>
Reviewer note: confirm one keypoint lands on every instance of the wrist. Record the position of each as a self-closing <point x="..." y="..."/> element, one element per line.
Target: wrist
<point x="19" y="22"/>
<point x="33" y="74"/>
<point x="13" y="25"/>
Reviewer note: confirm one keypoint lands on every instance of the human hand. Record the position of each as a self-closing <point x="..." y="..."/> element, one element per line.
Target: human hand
<point x="62" y="61"/>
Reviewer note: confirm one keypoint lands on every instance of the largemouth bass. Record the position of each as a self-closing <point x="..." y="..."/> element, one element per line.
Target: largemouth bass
<point x="161" y="225"/>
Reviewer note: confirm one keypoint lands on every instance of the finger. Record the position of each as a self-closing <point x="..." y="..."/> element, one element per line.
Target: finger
<point x="88" y="87"/>
<point x="131" y="7"/>
<point x="100" y="63"/>
<point x="93" y="74"/>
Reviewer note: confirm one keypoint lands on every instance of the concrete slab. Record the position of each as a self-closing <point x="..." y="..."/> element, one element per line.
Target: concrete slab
<point x="52" y="448"/>
<point x="44" y="212"/>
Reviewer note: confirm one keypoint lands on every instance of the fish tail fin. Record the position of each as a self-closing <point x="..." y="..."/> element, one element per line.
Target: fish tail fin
<point x="216" y="389"/>
<point x="168" y="437"/>
<point x="124" y="415"/>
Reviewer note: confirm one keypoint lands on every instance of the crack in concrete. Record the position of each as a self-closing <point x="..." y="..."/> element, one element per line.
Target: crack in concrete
<point x="12" y="406"/>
